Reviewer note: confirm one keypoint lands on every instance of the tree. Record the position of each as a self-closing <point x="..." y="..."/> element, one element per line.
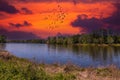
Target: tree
<point x="69" y="40"/>
<point x="110" y="40"/>
<point x="84" y="39"/>
<point x="2" y="39"/>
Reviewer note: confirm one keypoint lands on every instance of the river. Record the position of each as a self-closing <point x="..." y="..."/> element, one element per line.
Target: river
<point x="83" y="56"/>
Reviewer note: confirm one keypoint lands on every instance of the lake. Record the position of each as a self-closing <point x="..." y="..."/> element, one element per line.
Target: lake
<point x="83" y="56"/>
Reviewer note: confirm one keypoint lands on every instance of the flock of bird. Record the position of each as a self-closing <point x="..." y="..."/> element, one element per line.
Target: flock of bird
<point x="57" y="16"/>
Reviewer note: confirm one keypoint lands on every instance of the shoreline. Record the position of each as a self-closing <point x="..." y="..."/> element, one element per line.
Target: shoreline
<point x="72" y="44"/>
<point x="101" y="45"/>
<point x="17" y="66"/>
<point x="98" y="44"/>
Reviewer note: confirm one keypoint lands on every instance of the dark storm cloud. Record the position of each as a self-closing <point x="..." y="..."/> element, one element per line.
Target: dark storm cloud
<point x="26" y="11"/>
<point x="93" y="24"/>
<point x="115" y="18"/>
<point x="87" y="24"/>
<point x="18" y="25"/>
<point x="8" y="8"/>
<point x="18" y="35"/>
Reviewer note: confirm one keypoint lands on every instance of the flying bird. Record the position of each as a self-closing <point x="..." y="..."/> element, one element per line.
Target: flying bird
<point x="59" y="17"/>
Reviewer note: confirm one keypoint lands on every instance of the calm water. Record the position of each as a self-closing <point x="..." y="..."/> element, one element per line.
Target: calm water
<point x="82" y="56"/>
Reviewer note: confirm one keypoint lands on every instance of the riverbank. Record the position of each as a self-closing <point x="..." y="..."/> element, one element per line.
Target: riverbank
<point x="14" y="68"/>
<point x="102" y="45"/>
<point x="114" y="45"/>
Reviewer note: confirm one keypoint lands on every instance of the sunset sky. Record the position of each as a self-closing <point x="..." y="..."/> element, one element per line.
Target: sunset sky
<point x="31" y="19"/>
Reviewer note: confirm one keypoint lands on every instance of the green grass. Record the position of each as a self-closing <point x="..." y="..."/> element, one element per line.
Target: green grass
<point x="104" y="72"/>
<point x="21" y="69"/>
<point x="13" y="68"/>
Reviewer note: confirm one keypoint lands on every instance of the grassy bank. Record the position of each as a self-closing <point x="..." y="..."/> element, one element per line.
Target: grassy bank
<point x="13" y="68"/>
<point x="115" y="45"/>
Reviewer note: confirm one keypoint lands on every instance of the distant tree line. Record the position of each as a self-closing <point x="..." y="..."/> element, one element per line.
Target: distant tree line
<point x="2" y="39"/>
<point x="102" y="36"/>
<point x="28" y="41"/>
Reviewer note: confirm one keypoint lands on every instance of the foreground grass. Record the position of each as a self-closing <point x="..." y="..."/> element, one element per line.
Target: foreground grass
<point x="13" y="68"/>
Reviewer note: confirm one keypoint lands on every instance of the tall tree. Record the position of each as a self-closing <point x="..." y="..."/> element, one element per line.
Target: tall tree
<point x="2" y="39"/>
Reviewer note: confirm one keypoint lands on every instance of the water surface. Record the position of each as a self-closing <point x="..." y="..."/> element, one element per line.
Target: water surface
<point x="79" y="55"/>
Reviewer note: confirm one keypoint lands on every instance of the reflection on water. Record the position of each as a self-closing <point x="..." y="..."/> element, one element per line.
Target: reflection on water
<point x="100" y="55"/>
<point x="79" y="55"/>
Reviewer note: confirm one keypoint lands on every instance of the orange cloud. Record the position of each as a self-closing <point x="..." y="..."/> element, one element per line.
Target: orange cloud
<point x="46" y="18"/>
